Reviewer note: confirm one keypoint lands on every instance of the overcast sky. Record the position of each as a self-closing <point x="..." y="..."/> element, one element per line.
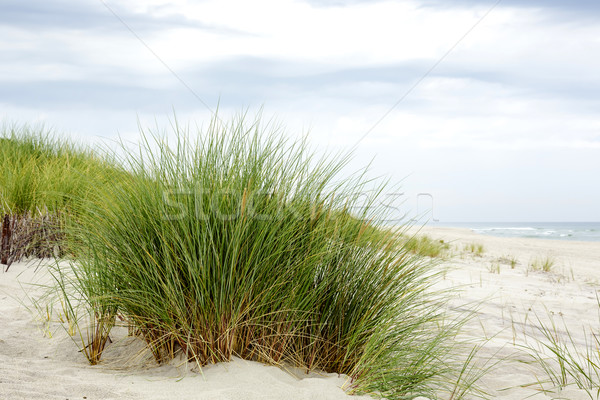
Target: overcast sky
<point x="502" y="125"/>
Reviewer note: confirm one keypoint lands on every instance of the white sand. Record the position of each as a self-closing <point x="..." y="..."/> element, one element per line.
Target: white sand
<point x="35" y="366"/>
<point x="511" y="301"/>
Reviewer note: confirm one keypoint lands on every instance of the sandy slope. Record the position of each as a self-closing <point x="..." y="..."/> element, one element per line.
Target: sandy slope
<point x="35" y="366"/>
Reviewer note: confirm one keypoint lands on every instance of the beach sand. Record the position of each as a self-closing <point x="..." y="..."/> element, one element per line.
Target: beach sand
<point x="513" y="299"/>
<point x="38" y="359"/>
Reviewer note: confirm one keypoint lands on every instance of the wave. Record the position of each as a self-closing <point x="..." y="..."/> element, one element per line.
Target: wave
<point x="545" y="232"/>
<point x="506" y="229"/>
<point x="586" y="231"/>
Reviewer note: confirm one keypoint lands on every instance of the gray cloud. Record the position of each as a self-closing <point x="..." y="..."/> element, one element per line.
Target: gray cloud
<point x="571" y="6"/>
<point x="62" y="14"/>
<point x="74" y="95"/>
<point x="568" y="8"/>
<point x="268" y="76"/>
<point x="247" y="79"/>
<point x="336" y="3"/>
<point x="553" y="10"/>
<point x="244" y="81"/>
<point x="40" y="15"/>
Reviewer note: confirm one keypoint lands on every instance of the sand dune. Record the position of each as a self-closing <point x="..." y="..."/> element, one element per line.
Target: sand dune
<point x="38" y="360"/>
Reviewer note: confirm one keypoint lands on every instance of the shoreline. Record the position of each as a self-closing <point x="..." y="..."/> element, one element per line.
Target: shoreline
<point x="560" y="231"/>
<point x="581" y="256"/>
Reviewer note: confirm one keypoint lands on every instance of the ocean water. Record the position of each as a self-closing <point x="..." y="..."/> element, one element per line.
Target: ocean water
<point x="584" y="231"/>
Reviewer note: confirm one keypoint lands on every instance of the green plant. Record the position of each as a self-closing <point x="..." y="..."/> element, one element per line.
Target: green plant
<point x="424" y="245"/>
<point x="43" y="178"/>
<point x="242" y="243"/>
<point x="564" y="360"/>
<point x="85" y="319"/>
<point x="545" y="264"/>
<point x="510" y="260"/>
<point x="475" y="248"/>
<point x="494" y="268"/>
<point x="43" y="172"/>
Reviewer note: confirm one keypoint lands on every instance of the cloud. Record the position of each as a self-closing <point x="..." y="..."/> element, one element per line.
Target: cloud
<point x="76" y="95"/>
<point x="521" y="88"/>
<point x="94" y="15"/>
<point x="60" y="14"/>
<point x="336" y="3"/>
<point x="574" y="6"/>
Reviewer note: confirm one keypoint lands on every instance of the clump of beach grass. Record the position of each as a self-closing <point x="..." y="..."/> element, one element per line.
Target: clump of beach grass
<point x="239" y="242"/>
<point x="474" y="248"/>
<point x="545" y="264"/>
<point x="494" y="267"/>
<point x="424" y="245"/>
<point x="509" y="260"/>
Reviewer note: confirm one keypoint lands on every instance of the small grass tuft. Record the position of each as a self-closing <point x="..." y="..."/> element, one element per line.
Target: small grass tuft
<point x="474" y="248"/>
<point x="425" y="246"/>
<point x="494" y="268"/>
<point x="545" y="264"/>
<point x="565" y="360"/>
<point x="509" y="260"/>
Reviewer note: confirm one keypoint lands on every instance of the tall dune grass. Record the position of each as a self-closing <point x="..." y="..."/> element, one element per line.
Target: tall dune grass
<point x="236" y="241"/>
<point x="42" y="178"/>
<point x="41" y="171"/>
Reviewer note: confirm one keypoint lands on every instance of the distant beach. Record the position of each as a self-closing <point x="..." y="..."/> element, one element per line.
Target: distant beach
<point x="578" y="231"/>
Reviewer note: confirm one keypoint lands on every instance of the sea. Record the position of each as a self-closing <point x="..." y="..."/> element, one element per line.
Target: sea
<point x="582" y="231"/>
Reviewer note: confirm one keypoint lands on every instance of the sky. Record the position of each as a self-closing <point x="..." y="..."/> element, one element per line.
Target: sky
<point x="490" y="107"/>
